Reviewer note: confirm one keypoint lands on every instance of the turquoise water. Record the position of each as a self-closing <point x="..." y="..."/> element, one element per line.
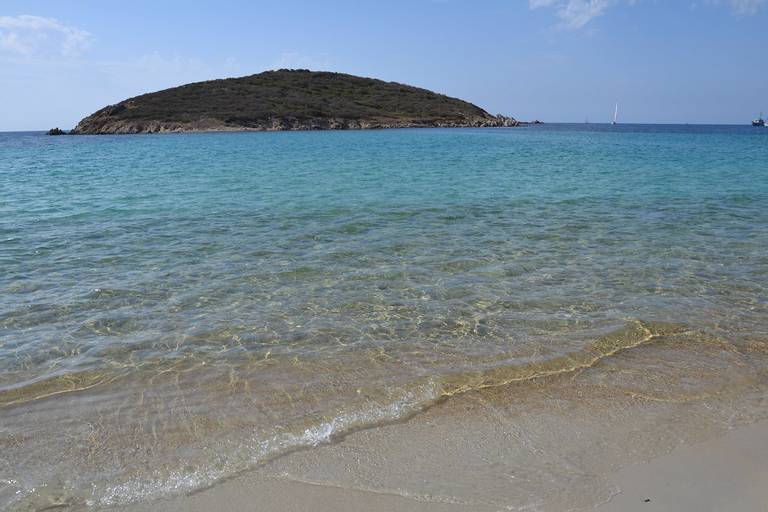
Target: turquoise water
<point x="196" y="304"/>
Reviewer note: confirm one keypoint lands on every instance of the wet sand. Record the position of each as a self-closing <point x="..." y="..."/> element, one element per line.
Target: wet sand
<point x="568" y="442"/>
<point x="273" y="494"/>
<point x="725" y="473"/>
<point x="552" y="441"/>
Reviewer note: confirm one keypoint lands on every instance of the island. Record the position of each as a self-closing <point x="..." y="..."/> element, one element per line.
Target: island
<point x="287" y="100"/>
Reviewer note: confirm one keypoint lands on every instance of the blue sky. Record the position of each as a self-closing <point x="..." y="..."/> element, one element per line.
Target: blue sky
<point x="696" y="61"/>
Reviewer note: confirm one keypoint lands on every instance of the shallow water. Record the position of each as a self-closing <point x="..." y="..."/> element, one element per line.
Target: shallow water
<point x="177" y="309"/>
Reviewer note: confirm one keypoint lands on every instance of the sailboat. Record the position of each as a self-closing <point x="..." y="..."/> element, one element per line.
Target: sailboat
<point x="615" y="114"/>
<point x="759" y="121"/>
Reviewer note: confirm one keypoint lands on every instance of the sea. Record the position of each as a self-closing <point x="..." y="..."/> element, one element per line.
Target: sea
<point x="179" y="309"/>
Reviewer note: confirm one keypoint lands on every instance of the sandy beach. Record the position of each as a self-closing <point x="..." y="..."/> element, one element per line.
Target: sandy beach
<point x="725" y="473"/>
<point x="569" y="442"/>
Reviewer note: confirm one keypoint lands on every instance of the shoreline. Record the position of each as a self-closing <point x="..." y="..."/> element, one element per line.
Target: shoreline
<point x="550" y="443"/>
<point x="243" y="129"/>
<point x="723" y="473"/>
<point x="566" y="442"/>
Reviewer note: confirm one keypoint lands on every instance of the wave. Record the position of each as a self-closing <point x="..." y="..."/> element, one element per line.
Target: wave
<point x="241" y="453"/>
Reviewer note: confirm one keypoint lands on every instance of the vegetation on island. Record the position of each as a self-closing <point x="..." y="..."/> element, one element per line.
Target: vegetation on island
<point x="287" y="100"/>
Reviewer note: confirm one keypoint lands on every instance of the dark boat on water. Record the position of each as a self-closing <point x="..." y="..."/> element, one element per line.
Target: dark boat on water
<point x="759" y="121"/>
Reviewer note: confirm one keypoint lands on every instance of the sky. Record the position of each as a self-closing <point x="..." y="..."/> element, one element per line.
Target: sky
<point x="662" y="61"/>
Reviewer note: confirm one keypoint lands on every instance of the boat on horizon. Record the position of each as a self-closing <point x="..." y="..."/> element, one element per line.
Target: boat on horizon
<point x="759" y="121"/>
<point x="615" y="114"/>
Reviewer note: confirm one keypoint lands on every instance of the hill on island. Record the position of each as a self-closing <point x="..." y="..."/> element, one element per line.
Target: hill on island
<point x="287" y="100"/>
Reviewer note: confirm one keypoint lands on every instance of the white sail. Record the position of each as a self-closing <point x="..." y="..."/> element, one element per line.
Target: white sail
<point x="616" y="113"/>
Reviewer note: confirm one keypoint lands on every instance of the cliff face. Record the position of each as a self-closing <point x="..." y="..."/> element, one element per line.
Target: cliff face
<point x="287" y="100"/>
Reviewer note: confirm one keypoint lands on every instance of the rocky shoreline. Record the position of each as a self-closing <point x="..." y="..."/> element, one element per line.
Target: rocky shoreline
<point x="91" y="126"/>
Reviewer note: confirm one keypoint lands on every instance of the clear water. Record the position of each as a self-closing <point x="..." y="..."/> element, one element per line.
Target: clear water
<point x="176" y="309"/>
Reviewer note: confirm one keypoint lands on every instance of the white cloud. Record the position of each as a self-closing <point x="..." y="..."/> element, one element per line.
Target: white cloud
<point x="35" y="35"/>
<point x="747" y="7"/>
<point x="574" y="13"/>
<point x="577" y="13"/>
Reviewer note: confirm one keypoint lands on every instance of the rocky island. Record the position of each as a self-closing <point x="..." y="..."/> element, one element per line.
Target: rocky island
<point x="287" y="100"/>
